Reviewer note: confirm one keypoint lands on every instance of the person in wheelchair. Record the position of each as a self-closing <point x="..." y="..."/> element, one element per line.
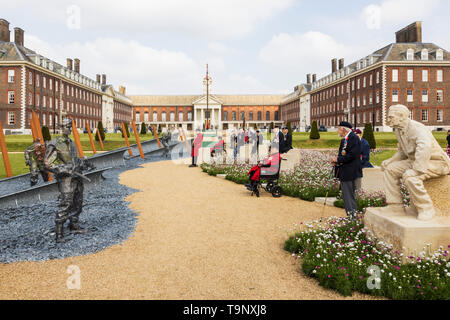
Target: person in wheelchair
<point x="272" y="162"/>
<point x="254" y="175"/>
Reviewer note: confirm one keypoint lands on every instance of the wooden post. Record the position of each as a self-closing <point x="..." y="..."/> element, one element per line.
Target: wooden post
<point x="76" y="137"/>
<point x="100" y="139"/>
<point x="126" y="140"/>
<point x="155" y="133"/>
<point x="33" y="128"/>
<point x="5" y="153"/>
<point x="90" y="137"/>
<point x="138" y="141"/>
<point x="187" y="143"/>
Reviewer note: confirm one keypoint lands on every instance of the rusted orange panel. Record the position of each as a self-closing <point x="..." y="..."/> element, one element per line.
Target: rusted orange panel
<point x="138" y="141"/>
<point x="5" y="153"/>
<point x="90" y="137"/>
<point x="126" y="140"/>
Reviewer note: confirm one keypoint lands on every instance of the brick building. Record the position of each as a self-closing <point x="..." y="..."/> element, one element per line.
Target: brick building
<point x="295" y="107"/>
<point x="29" y="81"/>
<point x="408" y="72"/>
<point x="226" y="111"/>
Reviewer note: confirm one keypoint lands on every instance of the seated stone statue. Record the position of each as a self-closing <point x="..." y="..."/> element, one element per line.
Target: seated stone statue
<point x="419" y="157"/>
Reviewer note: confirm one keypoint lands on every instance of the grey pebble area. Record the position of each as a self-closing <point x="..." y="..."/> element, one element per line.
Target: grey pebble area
<point x="27" y="232"/>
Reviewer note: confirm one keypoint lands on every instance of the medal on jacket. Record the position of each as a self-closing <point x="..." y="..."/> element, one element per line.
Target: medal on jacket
<point x="345" y="146"/>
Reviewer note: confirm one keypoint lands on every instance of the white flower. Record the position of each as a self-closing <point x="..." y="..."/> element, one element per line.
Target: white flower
<point x="318" y="255"/>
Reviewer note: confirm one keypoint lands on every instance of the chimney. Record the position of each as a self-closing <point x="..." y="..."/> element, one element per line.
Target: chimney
<point x="69" y="64"/>
<point x="341" y="63"/>
<point x="410" y="33"/>
<point x="122" y="90"/>
<point x="314" y="78"/>
<point x="333" y="65"/>
<point x="103" y="79"/>
<point x="98" y="78"/>
<point x="18" y="36"/>
<point x="4" y="30"/>
<point x="77" y="65"/>
<point x="308" y="78"/>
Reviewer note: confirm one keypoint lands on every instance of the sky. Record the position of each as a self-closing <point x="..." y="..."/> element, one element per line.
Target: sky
<point x="251" y="46"/>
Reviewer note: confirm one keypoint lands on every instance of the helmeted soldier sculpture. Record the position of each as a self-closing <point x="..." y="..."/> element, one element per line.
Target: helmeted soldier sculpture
<point x="34" y="158"/>
<point x="62" y="160"/>
<point x="419" y="157"/>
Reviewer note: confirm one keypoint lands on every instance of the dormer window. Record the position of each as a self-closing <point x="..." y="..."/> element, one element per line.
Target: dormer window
<point x="410" y="54"/>
<point x="439" y="54"/>
<point x="424" y="54"/>
<point x="364" y="63"/>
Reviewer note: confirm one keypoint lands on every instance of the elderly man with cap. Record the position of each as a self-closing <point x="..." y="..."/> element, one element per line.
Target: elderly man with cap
<point x="348" y="166"/>
<point x="365" y="156"/>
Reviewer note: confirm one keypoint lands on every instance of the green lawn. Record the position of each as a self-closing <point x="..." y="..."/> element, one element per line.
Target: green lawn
<point x="331" y="140"/>
<point x="379" y="157"/>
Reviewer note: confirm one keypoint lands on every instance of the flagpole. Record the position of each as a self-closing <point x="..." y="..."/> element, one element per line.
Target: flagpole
<point x="207" y="98"/>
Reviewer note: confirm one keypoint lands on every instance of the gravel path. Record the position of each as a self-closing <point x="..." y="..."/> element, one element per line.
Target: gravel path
<point x="185" y="247"/>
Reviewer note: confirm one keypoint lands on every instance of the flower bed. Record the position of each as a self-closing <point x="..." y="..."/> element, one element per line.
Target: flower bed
<point x="339" y="253"/>
<point x="366" y="199"/>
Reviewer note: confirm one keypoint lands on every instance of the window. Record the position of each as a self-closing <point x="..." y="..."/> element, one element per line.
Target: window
<point x="44" y="82"/>
<point x="146" y="116"/>
<point x="424" y="54"/>
<point x="233" y="116"/>
<point x="395" y="95"/>
<point x="50" y="102"/>
<point x="425" y="75"/>
<point x="425" y="95"/>
<point x="359" y="118"/>
<point x="378" y="115"/>
<point x="358" y="85"/>
<point x="370" y="79"/>
<point x="30" y="99"/>
<point x="410" y="54"/>
<point x="267" y="115"/>
<point x="172" y="116"/>
<point x="138" y="116"/>
<point x="250" y="115"/>
<point x="370" y="99"/>
<point x="358" y="101"/>
<point x="378" y="77"/>
<point x="163" y="116"/>
<point x="411" y="114"/>
<point x="364" y="82"/>
<point x="37" y="80"/>
<point x="440" y="95"/>
<point x="424" y="114"/>
<point x="155" y="116"/>
<point x="276" y="115"/>
<point x="259" y="115"/>
<point x="50" y="85"/>
<point x="439" y="75"/>
<point x="364" y="117"/>
<point x="439" y="115"/>
<point x="394" y="75"/>
<point x="56" y="85"/>
<point x="410" y="75"/>
<point x="439" y="54"/>
<point x="180" y="116"/>
<point x="189" y="116"/>
<point x="11" y="117"/>
<point x="11" y="74"/>
<point x="409" y="95"/>
<point x="364" y="100"/>
<point x="242" y="115"/>
<point x="30" y="78"/>
<point x="11" y="96"/>
<point x="353" y="84"/>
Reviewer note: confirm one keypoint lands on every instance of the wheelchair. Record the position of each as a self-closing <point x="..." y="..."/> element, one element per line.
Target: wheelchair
<point x="271" y="183"/>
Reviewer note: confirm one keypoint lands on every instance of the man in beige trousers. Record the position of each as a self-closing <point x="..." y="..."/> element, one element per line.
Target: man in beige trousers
<point x="419" y="158"/>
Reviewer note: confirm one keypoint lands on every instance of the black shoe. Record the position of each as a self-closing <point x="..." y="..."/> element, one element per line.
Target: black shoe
<point x="76" y="229"/>
<point x="59" y="233"/>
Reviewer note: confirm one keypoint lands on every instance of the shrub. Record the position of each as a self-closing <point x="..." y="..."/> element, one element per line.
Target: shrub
<point x="143" y="128"/>
<point x="126" y="130"/>
<point x="314" y="134"/>
<point x="46" y="133"/>
<point x="289" y="127"/>
<point x="365" y="199"/>
<point x="101" y="131"/>
<point x="369" y="136"/>
<point x="339" y="253"/>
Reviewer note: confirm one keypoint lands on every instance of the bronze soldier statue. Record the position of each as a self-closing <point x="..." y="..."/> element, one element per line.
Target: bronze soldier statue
<point x="34" y="158"/>
<point x="62" y="160"/>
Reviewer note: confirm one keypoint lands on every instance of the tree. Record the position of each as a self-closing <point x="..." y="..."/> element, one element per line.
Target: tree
<point x="369" y="136"/>
<point x="143" y="128"/>
<point x="46" y="133"/>
<point x="126" y="130"/>
<point x="159" y="128"/>
<point x="101" y="131"/>
<point x="289" y="127"/>
<point x="270" y="130"/>
<point x="314" y="134"/>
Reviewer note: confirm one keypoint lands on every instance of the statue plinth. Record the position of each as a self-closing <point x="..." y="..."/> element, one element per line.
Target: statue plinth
<point x="394" y="226"/>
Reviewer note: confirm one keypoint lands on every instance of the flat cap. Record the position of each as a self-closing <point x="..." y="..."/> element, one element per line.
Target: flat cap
<point x="345" y="124"/>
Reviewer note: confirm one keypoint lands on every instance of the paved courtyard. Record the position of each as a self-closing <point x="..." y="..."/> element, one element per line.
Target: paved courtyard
<point x="197" y="237"/>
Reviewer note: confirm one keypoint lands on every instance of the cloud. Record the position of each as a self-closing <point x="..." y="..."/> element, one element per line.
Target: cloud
<point x="142" y="69"/>
<point x="397" y="11"/>
<point x="302" y="53"/>
<point x="201" y="18"/>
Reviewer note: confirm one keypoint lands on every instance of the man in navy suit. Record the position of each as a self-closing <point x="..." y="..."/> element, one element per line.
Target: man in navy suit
<point x="365" y="156"/>
<point x="348" y="163"/>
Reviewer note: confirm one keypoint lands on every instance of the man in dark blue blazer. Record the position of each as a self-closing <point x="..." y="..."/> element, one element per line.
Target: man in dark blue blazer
<point x="348" y="163"/>
<point x="365" y="156"/>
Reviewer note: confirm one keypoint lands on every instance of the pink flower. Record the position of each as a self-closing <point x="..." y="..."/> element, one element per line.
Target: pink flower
<point x="360" y="277"/>
<point x="346" y="274"/>
<point x="329" y="276"/>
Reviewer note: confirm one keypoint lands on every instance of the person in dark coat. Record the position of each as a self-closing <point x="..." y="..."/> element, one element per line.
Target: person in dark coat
<point x="448" y="143"/>
<point x="287" y="141"/>
<point x="254" y="175"/>
<point x="348" y="163"/>
<point x="365" y="156"/>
